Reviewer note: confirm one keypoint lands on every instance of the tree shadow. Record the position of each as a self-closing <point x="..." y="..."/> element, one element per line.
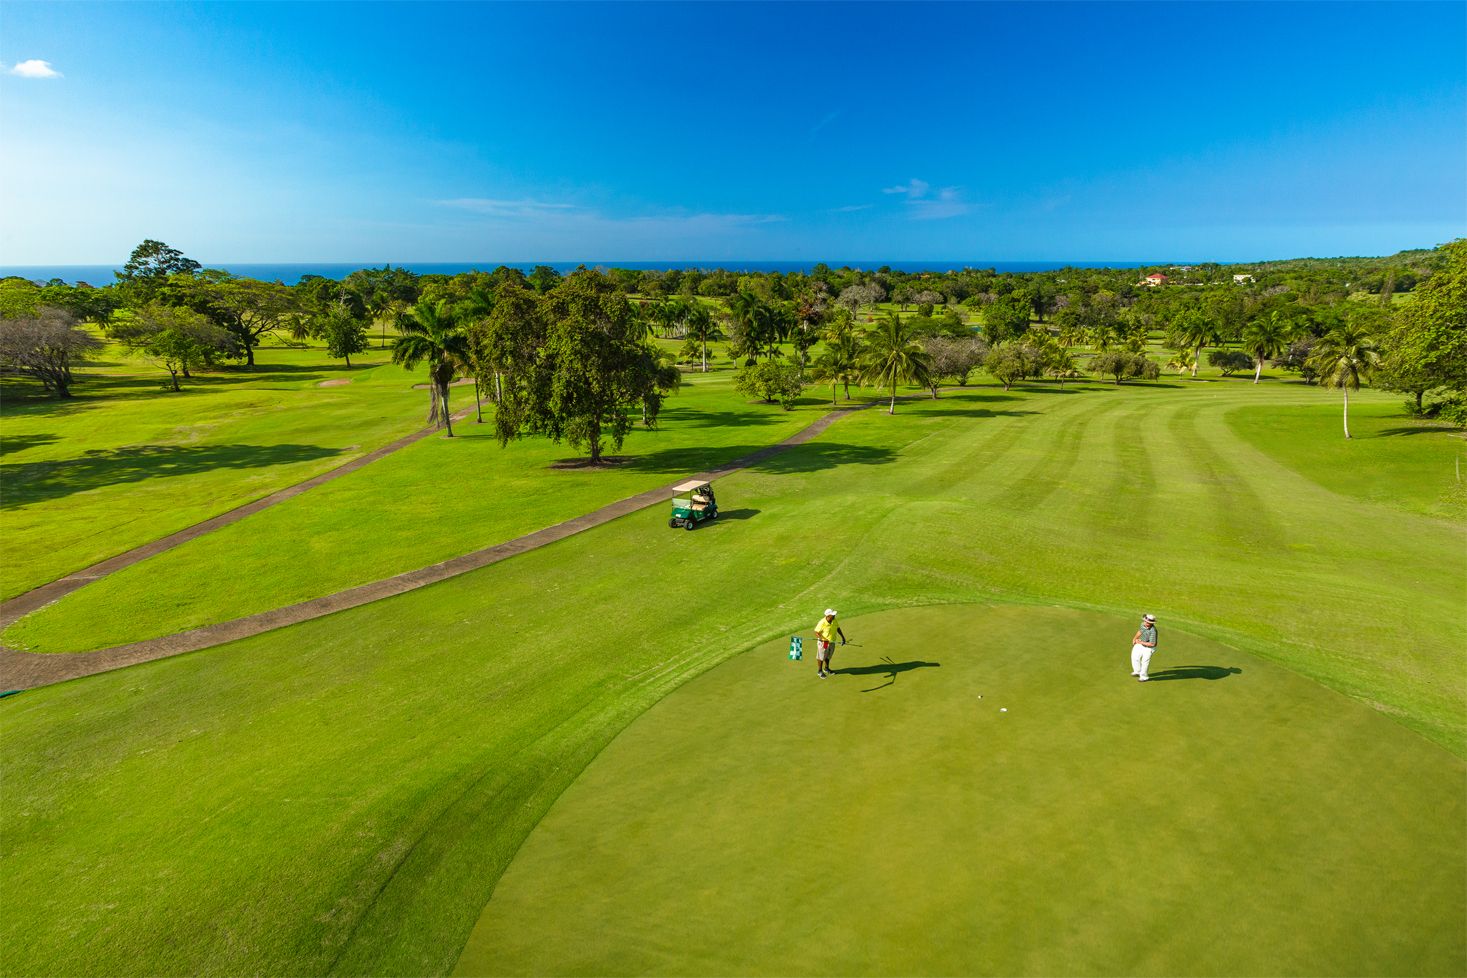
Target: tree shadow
<point x="10" y="444"/>
<point x="809" y="457"/>
<point x="695" y="418"/>
<point x="1423" y="429"/>
<point x="887" y="668"/>
<point x="940" y="412"/>
<point x="34" y="482"/>
<point x="1194" y="672"/>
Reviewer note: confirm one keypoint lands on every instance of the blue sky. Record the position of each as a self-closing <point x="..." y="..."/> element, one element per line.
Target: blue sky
<point x="382" y="132"/>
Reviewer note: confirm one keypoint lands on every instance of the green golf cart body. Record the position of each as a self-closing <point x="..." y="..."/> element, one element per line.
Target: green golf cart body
<point x="692" y="503"/>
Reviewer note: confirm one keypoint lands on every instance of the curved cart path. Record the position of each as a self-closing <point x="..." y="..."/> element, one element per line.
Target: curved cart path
<point x="25" y="670"/>
<point x="23" y="604"/>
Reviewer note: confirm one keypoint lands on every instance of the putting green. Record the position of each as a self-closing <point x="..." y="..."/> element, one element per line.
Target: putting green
<point x="1229" y="817"/>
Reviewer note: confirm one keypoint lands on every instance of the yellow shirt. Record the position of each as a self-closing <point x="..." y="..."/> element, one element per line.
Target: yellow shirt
<point x="826" y="629"/>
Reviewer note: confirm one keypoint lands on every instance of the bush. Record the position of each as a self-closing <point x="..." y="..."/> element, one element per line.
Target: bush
<point x="1125" y="366"/>
<point x="770" y="381"/>
<point x="1230" y="361"/>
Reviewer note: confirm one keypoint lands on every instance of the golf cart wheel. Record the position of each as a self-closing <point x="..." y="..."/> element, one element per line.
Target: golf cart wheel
<point x="674" y="523"/>
<point x="688" y="525"/>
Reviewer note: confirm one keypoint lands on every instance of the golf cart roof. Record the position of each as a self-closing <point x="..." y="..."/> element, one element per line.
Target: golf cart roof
<point x="690" y="486"/>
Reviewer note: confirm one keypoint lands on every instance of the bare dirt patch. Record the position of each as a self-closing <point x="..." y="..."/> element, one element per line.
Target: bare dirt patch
<point x="339" y="382"/>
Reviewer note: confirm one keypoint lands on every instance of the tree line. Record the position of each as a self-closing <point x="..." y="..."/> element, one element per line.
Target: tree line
<point x="784" y="329"/>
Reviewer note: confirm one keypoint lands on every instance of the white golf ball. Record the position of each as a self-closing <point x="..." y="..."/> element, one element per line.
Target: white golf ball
<point x="1003" y="709"/>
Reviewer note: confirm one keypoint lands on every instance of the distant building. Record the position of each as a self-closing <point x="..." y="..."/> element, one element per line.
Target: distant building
<point x="1242" y="279"/>
<point x="1154" y="279"/>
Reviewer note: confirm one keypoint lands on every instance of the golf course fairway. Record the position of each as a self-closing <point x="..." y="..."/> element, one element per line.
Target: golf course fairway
<point x="985" y="790"/>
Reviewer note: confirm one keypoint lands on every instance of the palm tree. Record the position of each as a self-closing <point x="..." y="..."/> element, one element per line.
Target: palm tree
<point x="431" y="331"/>
<point x="701" y="327"/>
<point x="839" y="364"/>
<point x="893" y="355"/>
<point x="1196" y="330"/>
<point x="1267" y="339"/>
<point x="1343" y="357"/>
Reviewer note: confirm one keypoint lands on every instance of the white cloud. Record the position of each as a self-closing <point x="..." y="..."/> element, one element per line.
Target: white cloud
<point x="525" y="207"/>
<point x="851" y="208"/>
<point x="35" y="68"/>
<point x="948" y="202"/>
<point x="914" y="189"/>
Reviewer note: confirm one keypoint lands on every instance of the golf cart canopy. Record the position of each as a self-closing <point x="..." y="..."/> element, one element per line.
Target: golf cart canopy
<point x="693" y="486"/>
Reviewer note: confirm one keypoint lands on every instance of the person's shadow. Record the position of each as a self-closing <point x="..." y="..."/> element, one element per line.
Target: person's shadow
<point x="1194" y="672"/>
<point x="888" y="668"/>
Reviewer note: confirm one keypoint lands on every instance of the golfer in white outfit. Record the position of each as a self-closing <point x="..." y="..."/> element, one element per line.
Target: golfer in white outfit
<point x="1142" y="645"/>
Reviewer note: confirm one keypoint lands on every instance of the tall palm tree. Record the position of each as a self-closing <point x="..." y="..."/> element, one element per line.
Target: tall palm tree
<point x="892" y="356"/>
<point x="432" y="331"/>
<point x="1197" y="330"/>
<point x="701" y="327"/>
<point x="1343" y="357"/>
<point x="839" y="364"/>
<point x="1267" y="339"/>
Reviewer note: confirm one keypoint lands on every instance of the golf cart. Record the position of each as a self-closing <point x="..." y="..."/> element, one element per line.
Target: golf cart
<point x="693" y="508"/>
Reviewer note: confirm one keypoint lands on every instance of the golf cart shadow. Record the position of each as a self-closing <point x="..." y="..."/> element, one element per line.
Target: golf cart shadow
<point x="886" y="668"/>
<point x="724" y="515"/>
<point x="1194" y="672"/>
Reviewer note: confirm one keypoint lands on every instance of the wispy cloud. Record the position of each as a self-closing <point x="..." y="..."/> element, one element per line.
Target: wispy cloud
<point x="35" y="68"/>
<point x="851" y="208"/>
<point x="924" y="205"/>
<point x="947" y="202"/>
<point x="495" y="207"/>
<point x="914" y="189"/>
<point x="829" y="118"/>
<point x="574" y="219"/>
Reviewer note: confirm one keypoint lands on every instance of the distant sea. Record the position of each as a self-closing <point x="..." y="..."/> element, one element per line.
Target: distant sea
<point x="292" y="272"/>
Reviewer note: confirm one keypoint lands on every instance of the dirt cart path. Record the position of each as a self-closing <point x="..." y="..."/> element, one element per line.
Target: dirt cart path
<point x="24" y="670"/>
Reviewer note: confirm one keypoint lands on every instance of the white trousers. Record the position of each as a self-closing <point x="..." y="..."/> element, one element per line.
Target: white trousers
<point x="1140" y="659"/>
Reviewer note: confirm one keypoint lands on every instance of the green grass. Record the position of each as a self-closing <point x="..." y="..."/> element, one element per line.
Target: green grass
<point x="891" y="820"/>
<point x="1388" y="459"/>
<point x="342" y="796"/>
<point x="431" y="501"/>
<point x="124" y="462"/>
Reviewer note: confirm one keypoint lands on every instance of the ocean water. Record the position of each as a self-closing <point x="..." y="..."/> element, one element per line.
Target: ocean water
<point x="292" y="272"/>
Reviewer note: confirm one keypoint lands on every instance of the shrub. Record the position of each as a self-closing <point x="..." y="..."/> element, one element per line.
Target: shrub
<point x="1230" y="361"/>
<point x="770" y="381"/>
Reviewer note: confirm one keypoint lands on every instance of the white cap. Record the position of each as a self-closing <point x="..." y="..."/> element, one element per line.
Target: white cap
<point x="829" y="611"/>
<point x="1149" y="617"/>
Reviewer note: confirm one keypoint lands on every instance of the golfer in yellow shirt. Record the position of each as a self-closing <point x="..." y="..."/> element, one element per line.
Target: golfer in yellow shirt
<point x="825" y="632"/>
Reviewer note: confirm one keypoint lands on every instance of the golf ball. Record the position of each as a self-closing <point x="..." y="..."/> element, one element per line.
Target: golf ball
<point x="1003" y="709"/>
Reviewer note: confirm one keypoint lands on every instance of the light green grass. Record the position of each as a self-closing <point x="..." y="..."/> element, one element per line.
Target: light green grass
<point x="434" y="500"/>
<point x="125" y="462"/>
<point x="1427" y="464"/>
<point x="891" y="820"/>
<point x="342" y="796"/>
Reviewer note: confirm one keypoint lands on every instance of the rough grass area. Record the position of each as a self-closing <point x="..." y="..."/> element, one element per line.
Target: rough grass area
<point x="1427" y="463"/>
<point x="125" y="462"/>
<point x="343" y="795"/>
<point x="892" y="820"/>
<point x="431" y="501"/>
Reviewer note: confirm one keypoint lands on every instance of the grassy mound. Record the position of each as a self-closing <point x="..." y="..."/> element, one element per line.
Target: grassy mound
<point x="1226" y="818"/>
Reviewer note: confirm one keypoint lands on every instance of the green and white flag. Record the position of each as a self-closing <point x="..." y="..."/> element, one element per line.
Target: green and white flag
<point x="797" y="647"/>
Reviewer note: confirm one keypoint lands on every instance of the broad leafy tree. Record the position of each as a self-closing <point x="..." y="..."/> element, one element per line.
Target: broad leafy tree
<point x="343" y="333"/>
<point x="45" y="346"/>
<point x="1427" y="343"/>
